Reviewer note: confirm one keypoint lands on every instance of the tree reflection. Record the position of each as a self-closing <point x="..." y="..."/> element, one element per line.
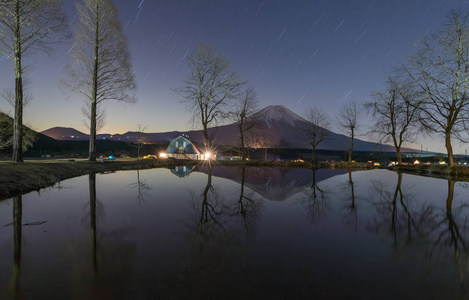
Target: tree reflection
<point x="314" y="201"/>
<point x="142" y="188"/>
<point x="351" y="217"/>
<point x="456" y="233"/>
<point x="394" y="215"/>
<point x="211" y="239"/>
<point x="210" y="210"/>
<point x="17" y="239"/>
<point x="443" y="231"/>
<point x="219" y="223"/>
<point x="111" y="255"/>
<point x="93" y="206"/>
<point x="247" y="207"/>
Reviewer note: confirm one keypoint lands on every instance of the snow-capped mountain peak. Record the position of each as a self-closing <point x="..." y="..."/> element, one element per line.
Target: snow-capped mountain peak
<point x="278" y="113"/>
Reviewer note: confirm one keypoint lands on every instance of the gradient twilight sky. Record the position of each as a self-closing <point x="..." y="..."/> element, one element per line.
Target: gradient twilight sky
<point x="295" y="53"/>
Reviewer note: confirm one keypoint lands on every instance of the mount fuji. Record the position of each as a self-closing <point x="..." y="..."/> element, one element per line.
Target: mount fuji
<point x="281" y="125"/>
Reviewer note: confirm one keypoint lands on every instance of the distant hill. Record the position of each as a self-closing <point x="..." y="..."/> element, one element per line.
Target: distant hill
<point x="65" y="134"/>
<point x="278" y="124"/>
<point x="43" y="145"/>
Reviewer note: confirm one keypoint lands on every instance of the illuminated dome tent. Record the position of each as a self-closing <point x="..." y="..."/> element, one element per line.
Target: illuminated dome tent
<point x="183" y="148"/>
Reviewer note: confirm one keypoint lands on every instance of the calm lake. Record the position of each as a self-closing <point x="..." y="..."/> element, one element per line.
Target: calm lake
<point x="238" y="233"/>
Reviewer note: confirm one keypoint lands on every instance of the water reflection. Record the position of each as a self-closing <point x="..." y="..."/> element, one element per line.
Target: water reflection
<point x="142" y="187"/>
<point x="221" y="224"/>
<point x="217" y="233"/>
<point x="111" y="253"/>
<point x="277" y="184"/>
<point x="438" y="233"/>
<point x="351" y="215"/>
<point x="315" y="200"/>
<point x="183" y="171"/>
<point x="93" y="206"/>
<point x="17" y="240"/>
<point x="394" y="214"/>
<point x="209" y="236"/>
<point x="217" y="214"/>
<point x="248" y="205"/>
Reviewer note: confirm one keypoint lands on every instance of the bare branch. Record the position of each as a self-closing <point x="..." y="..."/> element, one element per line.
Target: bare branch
<point x="395" y="111"/>
<point x="209" y="89"/>
<point x="317" y="129"/>
<point x="348" y="120"/>
<point x="102" y="69"/>
<point x="439" y="72"/>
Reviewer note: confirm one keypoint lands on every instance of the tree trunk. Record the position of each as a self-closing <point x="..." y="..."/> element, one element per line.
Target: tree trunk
<point x="399" y="155"/>
<point x="18" y="118"/>
<point x="313" y="153"/>
<point x="92" y="150"/>
<point x="208" y="142"/>
<point x="449" y="148"/>
<point x="351" y="147"/>
<point x="94" y="96"/>
<point x="18" y="122"/>
<point x="241" y="154"/>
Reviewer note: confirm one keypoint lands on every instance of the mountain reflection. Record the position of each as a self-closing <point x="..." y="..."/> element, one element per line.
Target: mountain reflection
<point x="277" y="184"/>
<point x="376" y="232"/>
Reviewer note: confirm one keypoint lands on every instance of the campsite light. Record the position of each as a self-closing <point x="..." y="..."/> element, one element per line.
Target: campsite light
<point x="162" y="155"/>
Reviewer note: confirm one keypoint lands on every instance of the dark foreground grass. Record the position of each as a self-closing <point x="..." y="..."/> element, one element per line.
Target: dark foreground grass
<point x="20" y="178"/>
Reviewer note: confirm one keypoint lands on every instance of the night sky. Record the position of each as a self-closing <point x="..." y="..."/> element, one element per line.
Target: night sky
<point x="294" y="53"/>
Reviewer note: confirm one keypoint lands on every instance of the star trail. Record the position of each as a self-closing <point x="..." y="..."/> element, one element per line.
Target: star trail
<point x="293" y="53"/>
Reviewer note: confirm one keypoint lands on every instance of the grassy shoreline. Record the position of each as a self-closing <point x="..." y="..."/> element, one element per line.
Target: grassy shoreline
<point x="459" y="173"/>
<point x="33" y="175"/>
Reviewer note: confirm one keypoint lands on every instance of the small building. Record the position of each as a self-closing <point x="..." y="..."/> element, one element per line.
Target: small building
<point x="182" y="148"/>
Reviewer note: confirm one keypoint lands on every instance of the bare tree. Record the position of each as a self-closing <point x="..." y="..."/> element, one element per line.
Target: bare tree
<point x="208" y="89"/>
<point x="244" y="113"/>
<point x="349" y="114"/>
<point x="395" y="116"/>
<point x="440" y="70"/>
<point x="26" y="25"/>
<point x="100" y="116"/>
<point x="10" y="97"/>
<point x="102" y="69"/>
<point x="317" y="128"/>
